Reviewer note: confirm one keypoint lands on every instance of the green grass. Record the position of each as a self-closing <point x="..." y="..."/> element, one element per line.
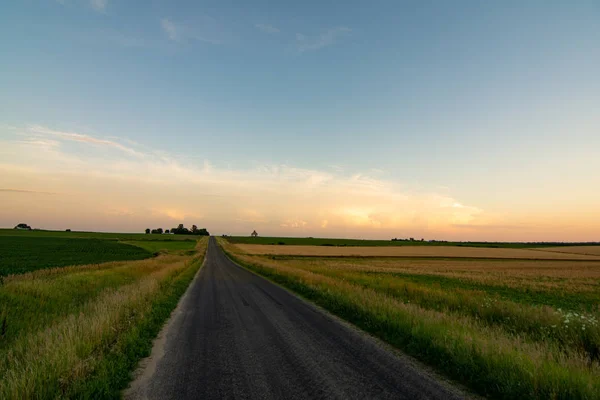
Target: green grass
<point x="359" y="242"/>
<point x="20" y="254"/>
<point x="156" y="246"/>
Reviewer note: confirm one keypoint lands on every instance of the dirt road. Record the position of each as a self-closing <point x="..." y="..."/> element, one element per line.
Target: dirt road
<point x="236" y="335"/>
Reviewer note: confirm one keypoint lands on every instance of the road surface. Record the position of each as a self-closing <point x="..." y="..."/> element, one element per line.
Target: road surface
<point x="237" y="335"/>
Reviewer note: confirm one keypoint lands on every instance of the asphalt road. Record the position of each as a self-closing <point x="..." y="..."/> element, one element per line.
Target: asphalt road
<point x="236" y="335"/>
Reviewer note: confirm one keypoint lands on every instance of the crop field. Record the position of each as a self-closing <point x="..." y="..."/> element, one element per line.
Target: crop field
<point x="413" y="251"/>
<point x="309" y="241"/>
<point x="589" y="250"/>
<point x="24" y="251"/>
<point x="19" y="254"/>
<point x="505" y="327"/>
<point x="79" y="331"/>
<point x="94" y="235"/>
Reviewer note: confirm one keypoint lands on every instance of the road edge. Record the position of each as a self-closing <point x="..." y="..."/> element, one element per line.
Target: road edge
<point x="147" y="366"/>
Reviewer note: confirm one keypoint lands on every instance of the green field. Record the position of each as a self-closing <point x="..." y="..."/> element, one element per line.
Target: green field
<point x="507" y="328"/>
<point x="309" y="241"/>
<point x="156" y="246"/>
<point x="94" y="235"/>
<point x="78" y="332"/>
<point x="20" y="254"/>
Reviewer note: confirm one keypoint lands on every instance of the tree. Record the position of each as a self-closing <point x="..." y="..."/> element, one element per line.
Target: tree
<point x="159" y="231"/>
<point x="167" y="231"/>
<point x="23" y="226"/>
<point x="147" y="231"/>
<point x="194" y="229"/>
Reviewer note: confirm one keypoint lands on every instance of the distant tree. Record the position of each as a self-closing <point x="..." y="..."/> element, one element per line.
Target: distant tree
<point x="181" y="230"/>
<point x="167" y="231"/>
<point x="147" y="231"/>
<point x="68" y="230"/>
<point x="412" y="239"/>
<point x="23" y="226"/>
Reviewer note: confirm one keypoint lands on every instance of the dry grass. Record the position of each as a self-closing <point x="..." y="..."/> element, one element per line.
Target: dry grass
<point x="411" y="251"/>
<point x="568" y="276"/>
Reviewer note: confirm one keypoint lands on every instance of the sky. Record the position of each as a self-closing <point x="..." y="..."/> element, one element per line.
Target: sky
<point x="462" y="120"/>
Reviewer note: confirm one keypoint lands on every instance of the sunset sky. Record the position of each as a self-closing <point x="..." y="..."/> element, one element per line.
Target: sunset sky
<point x="379" y="119"/>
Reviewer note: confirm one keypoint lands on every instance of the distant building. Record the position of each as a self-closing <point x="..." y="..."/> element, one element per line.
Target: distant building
<point x="254" y="234"/>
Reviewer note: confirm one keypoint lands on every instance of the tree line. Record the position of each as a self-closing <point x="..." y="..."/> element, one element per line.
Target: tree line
<point x="180" y="230"/>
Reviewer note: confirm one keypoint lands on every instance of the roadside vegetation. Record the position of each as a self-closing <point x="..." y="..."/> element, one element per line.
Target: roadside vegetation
<point x="158" y="246"/>
<point x="79" y="331"/>
<point x="507" y="328"/>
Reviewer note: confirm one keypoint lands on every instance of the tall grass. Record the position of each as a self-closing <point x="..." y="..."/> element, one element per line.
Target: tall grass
<point x="90" y="351"/>
<point x="491" y="360"/>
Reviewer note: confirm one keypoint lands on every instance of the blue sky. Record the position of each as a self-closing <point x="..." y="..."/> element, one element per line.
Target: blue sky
<point x="494" y="105"/>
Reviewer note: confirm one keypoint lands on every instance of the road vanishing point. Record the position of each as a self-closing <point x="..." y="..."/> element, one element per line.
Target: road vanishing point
<point x="235" y="335"/>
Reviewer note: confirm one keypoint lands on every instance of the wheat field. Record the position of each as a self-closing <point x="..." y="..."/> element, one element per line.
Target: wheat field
<point x="415" y="251"/>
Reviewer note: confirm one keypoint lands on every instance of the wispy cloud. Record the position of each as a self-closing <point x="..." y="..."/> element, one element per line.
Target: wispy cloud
<point x="99" y="5"/>
<point x="267" y="28"/>
<point x="75" y="137"/>
<point x="203" y="29"/>
<point x="328" y="38"/>
<point x="170" y="28"/>
<point x="24" y="191"/>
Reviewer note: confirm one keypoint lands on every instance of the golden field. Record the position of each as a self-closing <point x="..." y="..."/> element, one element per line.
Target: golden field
<point x="587" y="250"/>
<point x="413" y="251"/>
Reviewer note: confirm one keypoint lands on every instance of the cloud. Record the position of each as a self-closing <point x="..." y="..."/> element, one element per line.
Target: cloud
<point x="325" y="39"/>
<point x="99" y="5"/>
<point x="202" y="29"/>
<point x="153" y="187"/>
<point x="24" y="191"/>
<point x="75" y="137"/>
<point x="169" y="28"/>
<point x="294" y="223"/>
<point x="267" y="28"/>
